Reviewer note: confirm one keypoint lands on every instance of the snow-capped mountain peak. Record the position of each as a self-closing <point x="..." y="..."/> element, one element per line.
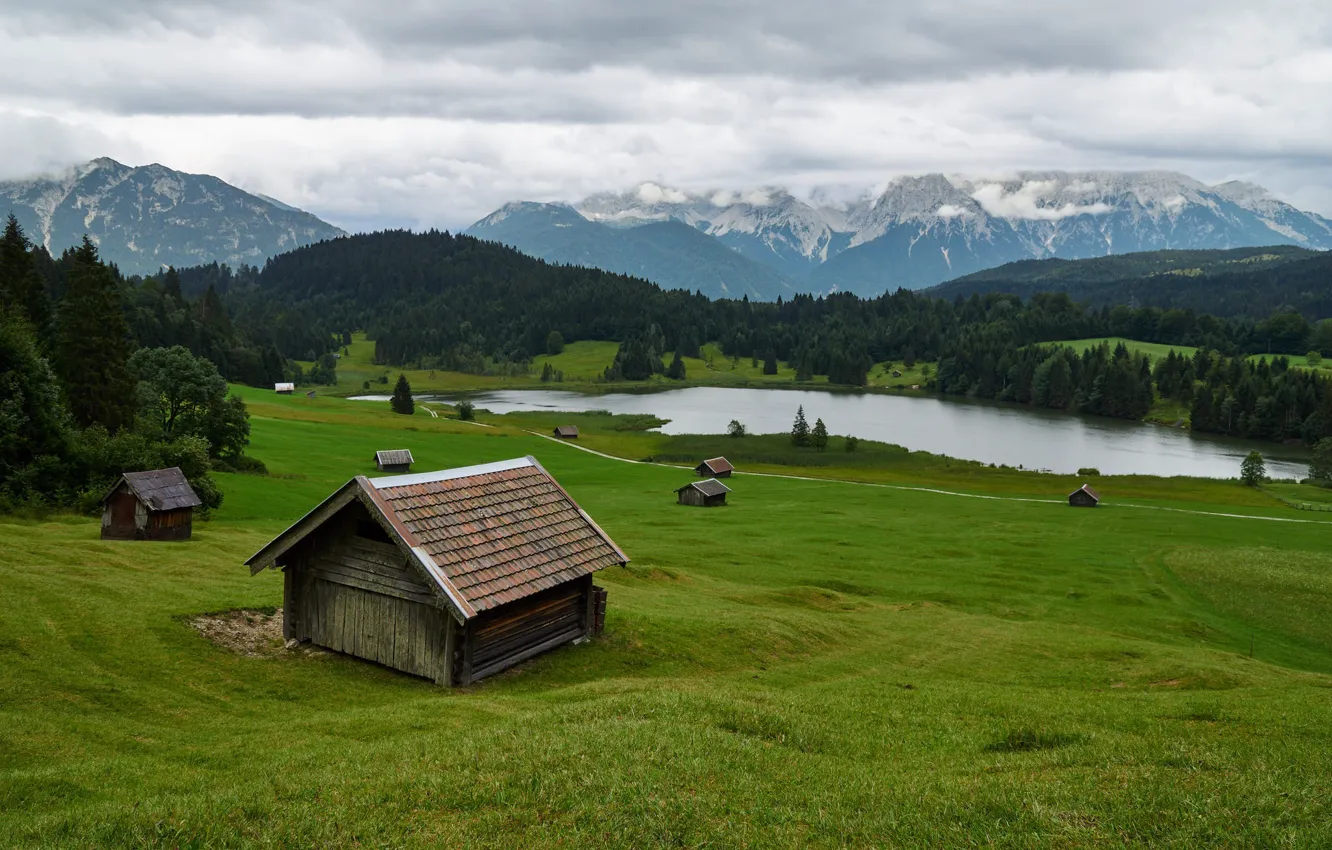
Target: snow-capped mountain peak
<point x="143" y="218"/>
<point x="926" y="228"/>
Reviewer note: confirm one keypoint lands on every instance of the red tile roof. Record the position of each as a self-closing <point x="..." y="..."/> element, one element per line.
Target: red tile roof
<point x="717" y="465"/>
<point x="482" y="535"/>
<point x="499" y="533"/>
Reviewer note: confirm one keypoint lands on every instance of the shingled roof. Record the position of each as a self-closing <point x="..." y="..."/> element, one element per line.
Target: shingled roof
<point x="390" y="457"/>
<point x="161" y="489"/>
<point x="1086" y="488"/>
<point x="717" y="465"/>
<point x="485" y="535"/>
<point x="711" y="487"/>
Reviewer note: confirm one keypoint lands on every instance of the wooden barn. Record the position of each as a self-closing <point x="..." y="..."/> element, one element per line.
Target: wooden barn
<point x="566" y="432"/>
<point x="394" y="460"/>
<point x="284" y="388"/>
<point x="716" y="467"/>
<point x="452" y="575"/>
<point x="703" y="494"/>
<point x="154" y="505"/>
<point x="1084" y="497"/>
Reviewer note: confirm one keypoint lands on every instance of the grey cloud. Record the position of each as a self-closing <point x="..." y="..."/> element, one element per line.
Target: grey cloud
<point x="845" y="39"/>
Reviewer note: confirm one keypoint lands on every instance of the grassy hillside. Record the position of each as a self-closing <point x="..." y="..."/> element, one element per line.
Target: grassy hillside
<point x="819" y="664"/>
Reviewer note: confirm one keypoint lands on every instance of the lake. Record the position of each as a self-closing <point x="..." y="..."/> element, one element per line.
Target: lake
<point x="983" y="431"/>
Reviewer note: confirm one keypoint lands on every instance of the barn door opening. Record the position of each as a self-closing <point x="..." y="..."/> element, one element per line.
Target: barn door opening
<point x="122" y="510"/>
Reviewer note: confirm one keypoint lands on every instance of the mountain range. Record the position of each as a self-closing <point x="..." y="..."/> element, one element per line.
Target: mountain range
<point x="919" y="231"/>
<point x="145" y="218"/>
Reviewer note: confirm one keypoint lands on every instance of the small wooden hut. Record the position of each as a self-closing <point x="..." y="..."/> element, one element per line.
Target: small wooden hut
<point x="716" y="467"/>
<point x="1084" y="497"/>
<point x="283" y="388"/>
<point x="394" y="460"/>
<point x="703" y="494"/>
<point x="154" y="505"/>
<point x="566" y="432"/>
<point x="452" y="575"/>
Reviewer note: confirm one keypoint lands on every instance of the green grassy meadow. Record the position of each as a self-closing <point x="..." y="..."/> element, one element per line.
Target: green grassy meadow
<point x="819" y="664"/>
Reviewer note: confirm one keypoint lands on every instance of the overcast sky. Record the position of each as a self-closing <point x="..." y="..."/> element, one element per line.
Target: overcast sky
<point x="423" y="113"/>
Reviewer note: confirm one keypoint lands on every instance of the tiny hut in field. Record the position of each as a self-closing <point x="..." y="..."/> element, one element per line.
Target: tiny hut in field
<point x="1084" y="497"/>
<point x="716" y="467"/>
<point x="566" y="432"/>
<point x="703" y="494"/>
<point x="154" y="505"/>
<point x="394" y="460"/>
<point x="452" y="575"/>
<point x="284" y="388"/>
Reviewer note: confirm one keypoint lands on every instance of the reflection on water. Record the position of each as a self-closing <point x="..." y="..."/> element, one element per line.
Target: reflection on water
<point x="992" y="433"/>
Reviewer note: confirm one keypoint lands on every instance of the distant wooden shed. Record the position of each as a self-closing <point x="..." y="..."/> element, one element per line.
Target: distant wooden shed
<point x="284" y="388"/>
<point x="566" y="432"/>
<point x="716" y="467"/>
<point x="154" y="505"/>
<point x="1084" y="497"/>
<point x="452" y="575"/>
<point x="703" y="494"/>
<point x="394" y="460"/>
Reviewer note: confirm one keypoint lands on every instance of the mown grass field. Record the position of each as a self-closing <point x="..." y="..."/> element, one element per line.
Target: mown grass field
<point x="820" y="664"/>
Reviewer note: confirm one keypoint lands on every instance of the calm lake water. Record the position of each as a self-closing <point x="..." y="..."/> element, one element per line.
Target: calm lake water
<point x="988" y="432"/>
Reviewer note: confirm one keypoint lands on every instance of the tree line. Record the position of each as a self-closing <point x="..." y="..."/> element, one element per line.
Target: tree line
<point x="95" y="379"/>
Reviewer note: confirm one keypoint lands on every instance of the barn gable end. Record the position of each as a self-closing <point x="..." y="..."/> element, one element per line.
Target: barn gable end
<point x="479" y="568"/>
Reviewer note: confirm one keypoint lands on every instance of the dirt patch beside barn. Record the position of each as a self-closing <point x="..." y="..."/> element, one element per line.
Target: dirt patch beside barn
<point x="247" y="632"/>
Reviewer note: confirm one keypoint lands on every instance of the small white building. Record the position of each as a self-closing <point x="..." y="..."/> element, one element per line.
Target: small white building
<point x="284" y="388"/>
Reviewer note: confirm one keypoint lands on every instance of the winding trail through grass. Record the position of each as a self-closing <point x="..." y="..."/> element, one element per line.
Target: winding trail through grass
<point x="941" y="492"/>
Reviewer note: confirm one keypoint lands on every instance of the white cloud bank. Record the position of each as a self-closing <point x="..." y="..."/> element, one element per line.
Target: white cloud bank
<point x="421" y="114"/>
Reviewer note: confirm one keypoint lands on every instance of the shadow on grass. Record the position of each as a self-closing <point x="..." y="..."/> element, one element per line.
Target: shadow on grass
<point x="1030" y="740"/>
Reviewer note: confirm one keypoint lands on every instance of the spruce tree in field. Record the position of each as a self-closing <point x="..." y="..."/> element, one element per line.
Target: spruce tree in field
<point x="1320" y="466"/>
<point x="819" y="436"/>
<point x="770" y="363"/>
<point x="676" y="370"/>
<point x="1253" y="470"/>
<point x="800" y="429"/>
<point x="92" y="343"/>
<point x="22" y="289"/>
<point x="402" y="397"/>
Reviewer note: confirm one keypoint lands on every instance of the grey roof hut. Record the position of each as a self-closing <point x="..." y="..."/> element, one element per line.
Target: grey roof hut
<point x="1084" y="497"/>
<point x="566" y="432"/>
<point x="154" y="505"/>
<point x="394" y="460"/>
<point x="716" y="467"/>
<point x="703" y="494"/>
<point x="452" y="575"/>
<point x="284" y="388"/>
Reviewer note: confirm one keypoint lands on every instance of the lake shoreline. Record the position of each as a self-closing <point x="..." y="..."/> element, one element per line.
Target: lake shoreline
<point x="978" y="430"/>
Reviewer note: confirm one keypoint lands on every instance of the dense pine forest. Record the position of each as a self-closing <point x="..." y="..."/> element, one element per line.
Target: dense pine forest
<point x="85" y="377"/>
<point x="1241" y="282"/>
<point x="101" y="375"/>
<point x="440" y="301"/>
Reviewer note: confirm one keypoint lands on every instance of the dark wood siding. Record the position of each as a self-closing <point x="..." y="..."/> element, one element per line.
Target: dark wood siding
<point x="350" y="591"/>
<point x="513" y="633"/>
<point x="171" y="525"/>
<point x="696" y="498"/>
<point x="398" y="633"/>
<point x="1080" y="499"/>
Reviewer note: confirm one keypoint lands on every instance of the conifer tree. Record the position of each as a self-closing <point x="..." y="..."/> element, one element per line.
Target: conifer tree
<point x="402" y="397"/>
<point x="21" y="286"/>
<point x="92" y="343"/>
<point x="677" y="368"/>
<point x="800" y="429"/>
<point x="819" y="436"/>
<point x="770" y="363"/>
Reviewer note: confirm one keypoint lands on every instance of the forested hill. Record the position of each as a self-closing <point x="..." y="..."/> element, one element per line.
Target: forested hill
<point x="441" y="301"/>
<point x="1249" y="282"/>
<point x="452" y="298"/>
